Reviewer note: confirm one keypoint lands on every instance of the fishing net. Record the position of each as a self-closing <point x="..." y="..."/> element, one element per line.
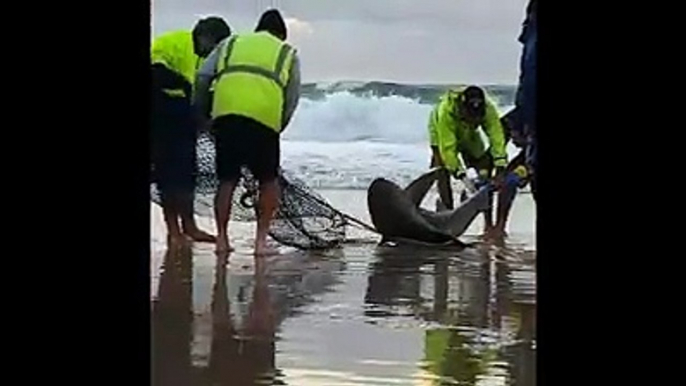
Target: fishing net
<point x="304" y="219"/>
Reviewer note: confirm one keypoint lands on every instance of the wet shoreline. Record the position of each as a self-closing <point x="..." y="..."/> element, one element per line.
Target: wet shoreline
<point x="359" y="315"/>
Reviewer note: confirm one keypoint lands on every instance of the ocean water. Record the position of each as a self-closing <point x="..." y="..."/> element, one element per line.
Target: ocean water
<point x="345" y="134"/>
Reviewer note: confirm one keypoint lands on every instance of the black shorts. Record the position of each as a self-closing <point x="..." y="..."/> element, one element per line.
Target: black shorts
<point x="173" y="145"/>
<point x="243" y="141"/>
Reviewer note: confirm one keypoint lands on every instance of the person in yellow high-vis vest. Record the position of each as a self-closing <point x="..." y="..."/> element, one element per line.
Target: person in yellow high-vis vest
<point x="175" y="57"/>
<point x="453" y="132"/>
<point x="255" y="81"/>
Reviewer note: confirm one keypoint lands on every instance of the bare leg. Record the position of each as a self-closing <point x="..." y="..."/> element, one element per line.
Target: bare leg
<point x="506" y="197"/>
<point x="444" y="189"/>
<point x="190" y="228"/>
<point x="268" y="200"/>
<point x="222" y="214"/>
<point x="485" y="167"/>
<point x="171" y="219"/>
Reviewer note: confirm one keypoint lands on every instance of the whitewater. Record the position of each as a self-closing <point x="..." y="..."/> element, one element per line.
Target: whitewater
<point x="344" y="135"/>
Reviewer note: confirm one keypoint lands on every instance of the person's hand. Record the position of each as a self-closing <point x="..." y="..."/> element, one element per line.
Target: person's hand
<point x="524" y="176"/>
<point x="459" y="174"/>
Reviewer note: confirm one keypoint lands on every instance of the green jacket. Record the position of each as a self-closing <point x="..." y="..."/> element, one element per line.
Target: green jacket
<point x="453" y="135"/>
<point x="175" y="51"/>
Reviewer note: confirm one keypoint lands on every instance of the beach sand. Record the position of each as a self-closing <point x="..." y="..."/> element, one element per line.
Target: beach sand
<point x="358" y="315"/>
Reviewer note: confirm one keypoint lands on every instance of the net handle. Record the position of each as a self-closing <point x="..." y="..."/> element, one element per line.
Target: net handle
<point x="356" y="221"/>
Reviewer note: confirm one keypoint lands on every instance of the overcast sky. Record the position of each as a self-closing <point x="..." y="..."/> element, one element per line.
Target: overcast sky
<point x="412" y="41"/>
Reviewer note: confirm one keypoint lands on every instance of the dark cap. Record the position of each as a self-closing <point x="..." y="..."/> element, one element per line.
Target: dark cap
<point x="474" y="101"/>
<point x="214" y="27"/>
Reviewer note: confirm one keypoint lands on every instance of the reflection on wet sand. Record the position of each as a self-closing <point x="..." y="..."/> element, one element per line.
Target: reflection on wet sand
<point x="477" y="327"/>
<point x="466" y="302"/>
<point x="172" y="319"/>
<point x="243" y="354"/>
<point x="522" y="353"/>
<point x="242" y="346"/>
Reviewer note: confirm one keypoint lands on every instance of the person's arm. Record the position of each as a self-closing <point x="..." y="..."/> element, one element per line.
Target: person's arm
<point x="512" y="125"/>
<point x="164" y="78"/>
<point x="203" y="80"/>
<point x="526" y="90"/>
<point x="433" y="123"/>
<point x="496" y="135"/>
<point x="447" y="142"/>
<point x="518" y="160"/>
<point x="529" y="80"/>
<point x="163" y="75"/>
<point x="292" y="91"/>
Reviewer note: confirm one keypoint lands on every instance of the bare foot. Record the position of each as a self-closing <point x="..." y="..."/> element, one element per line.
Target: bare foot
<point x="174" y="240"/>
<point x="223" y="245"/>
<point x="223" y="258"/>
<point x="201" y="236"/>
<point x="262" y="249"/>
<point x="494" y="234"/>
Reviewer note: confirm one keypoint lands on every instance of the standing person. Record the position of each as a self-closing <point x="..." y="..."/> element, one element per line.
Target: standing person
<point x="256" y="79"/>
<point x="516" y="175"/>
<point x="526" y="100"/>
<point x="175" y="58"/>
<point x="453" y="131"/>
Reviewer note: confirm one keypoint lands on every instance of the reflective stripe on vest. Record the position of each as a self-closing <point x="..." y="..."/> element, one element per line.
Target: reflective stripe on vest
<point x="274" y="75"/>
<point x="175" y="50"/>
<point x="251" y="79"/>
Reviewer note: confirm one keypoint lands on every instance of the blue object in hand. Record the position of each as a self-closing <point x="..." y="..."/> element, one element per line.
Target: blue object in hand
<point x="512" y="180"/>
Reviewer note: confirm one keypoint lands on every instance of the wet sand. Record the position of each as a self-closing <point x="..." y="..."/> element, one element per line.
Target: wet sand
<point x="359" y="315"/>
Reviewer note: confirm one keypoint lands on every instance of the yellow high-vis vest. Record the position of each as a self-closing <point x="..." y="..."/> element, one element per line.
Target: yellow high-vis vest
<point x="252" y="73"/>
<point x="175" y="51"/>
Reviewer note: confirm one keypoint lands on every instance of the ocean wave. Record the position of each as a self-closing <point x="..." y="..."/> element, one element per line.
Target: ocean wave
<point x="421" y="93"/>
